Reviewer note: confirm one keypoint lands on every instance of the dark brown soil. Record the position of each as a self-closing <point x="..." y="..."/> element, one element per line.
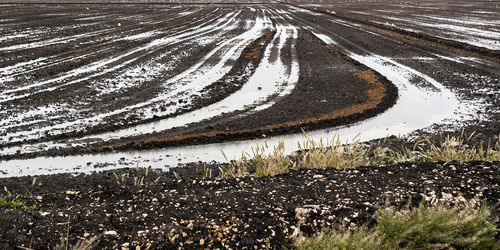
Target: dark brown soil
<point x="188" y="207"/>
<point x="477" y="81"/>
<point x="194" y="211"/>
<point x="363" y="13"/>
<point x="81" y="95"/>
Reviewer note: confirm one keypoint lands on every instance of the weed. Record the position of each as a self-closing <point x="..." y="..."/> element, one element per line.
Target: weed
<point x="207" y="173"/>
<point x="28" y="191"/>
<point x="177" y="176"/>
<point x="16" y="203"/>
<point x="82" y="244"/>
<point x="138" y="179"/>
<point x="462" y="226"/>
<point x="425" y="227"/>
<point x="236" y="168"/>
<point x="266" y="161"/>
<point x="358" y="239"/>
<point x="334" y="154"/>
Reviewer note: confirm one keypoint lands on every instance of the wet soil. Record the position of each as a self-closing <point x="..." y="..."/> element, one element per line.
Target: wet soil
<point x="191" y="210"/>
<point x="319" y="94"/>
<point x="82" y="95"/>
<point x="332" y="90"/>
<point x="85" y="97"/>
<point x="434" y="21"/>
<point x="475" y="81"/>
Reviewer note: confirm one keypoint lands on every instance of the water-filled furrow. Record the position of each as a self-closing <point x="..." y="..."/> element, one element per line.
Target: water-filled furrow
<point x="97" y="118"/>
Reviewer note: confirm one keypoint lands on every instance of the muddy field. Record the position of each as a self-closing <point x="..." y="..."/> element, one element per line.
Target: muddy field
<point x="465" y="24"/>
<point x="95" y="87"/>
<point x="94" y="78"/>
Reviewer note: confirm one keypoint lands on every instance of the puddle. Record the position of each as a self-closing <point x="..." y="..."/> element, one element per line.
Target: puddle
<point x="98" y="66"/>
<point x="471" y="35"/>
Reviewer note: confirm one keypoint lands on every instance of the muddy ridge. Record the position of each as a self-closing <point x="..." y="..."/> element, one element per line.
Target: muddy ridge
<point x="379" y="95"/>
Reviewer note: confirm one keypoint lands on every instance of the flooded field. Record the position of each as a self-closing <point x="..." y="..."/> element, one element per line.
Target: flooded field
<point x="87" y="87"/>
<point x="117" y="122"/>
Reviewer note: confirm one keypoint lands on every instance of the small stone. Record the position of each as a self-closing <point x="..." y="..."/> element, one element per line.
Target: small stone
<point x="172" y="240"/>
<point x="296" y="231"/>
<point x="111" y="232"/>
<point x="202" y="241"/>
<point x="125" y="245"/>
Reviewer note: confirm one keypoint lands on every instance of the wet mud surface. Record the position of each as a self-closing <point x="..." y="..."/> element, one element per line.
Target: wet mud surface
<point x="194" y="210"/>
<point x="332" y="90"/>
<point x="70" y="79"/>
<point x="122" y="91"/>
<point x="65" y="72"/>
<point x="470" y="27"/>
<point x="328" y="91"/>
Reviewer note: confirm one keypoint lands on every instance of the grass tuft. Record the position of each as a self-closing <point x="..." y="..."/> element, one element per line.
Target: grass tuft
<point x="16" y="204"/>
<point x="425" y="227"/>
<point x="266" y="161"/>
<point x="15" y="201"/>
<point x="140" y="178"/>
